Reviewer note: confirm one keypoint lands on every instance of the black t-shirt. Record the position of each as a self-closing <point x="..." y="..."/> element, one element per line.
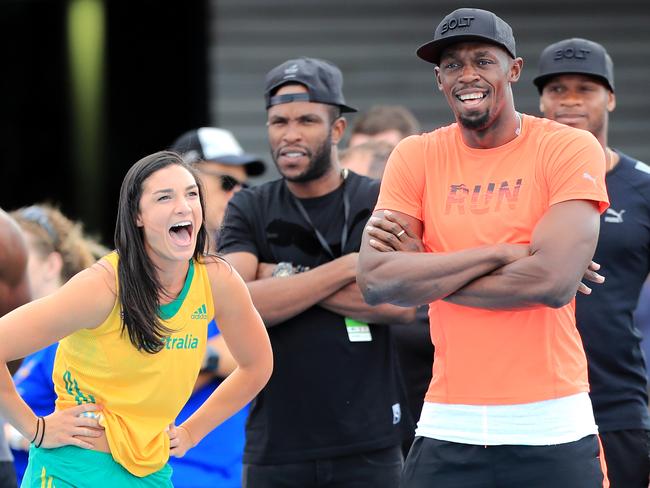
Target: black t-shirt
<point x="617" y="373"/>
<point x="415" y="354"/>
<point x="327" y="396"/>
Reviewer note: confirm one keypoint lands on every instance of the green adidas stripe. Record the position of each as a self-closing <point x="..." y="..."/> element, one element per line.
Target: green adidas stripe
<point x="72" y="387"/>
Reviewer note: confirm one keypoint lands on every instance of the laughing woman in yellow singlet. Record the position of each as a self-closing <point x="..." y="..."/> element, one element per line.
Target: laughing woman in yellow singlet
<point x="132" y="331"/>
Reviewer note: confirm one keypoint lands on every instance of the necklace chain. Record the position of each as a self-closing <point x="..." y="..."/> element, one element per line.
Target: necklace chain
<point x="518" y="129"/>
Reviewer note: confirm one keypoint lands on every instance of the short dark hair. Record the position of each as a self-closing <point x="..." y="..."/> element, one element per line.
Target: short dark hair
<point x="381" y="118"/>
<point x="334" y="112"/>
<point x="139" y="287"/>
<point x="379" y="152"/>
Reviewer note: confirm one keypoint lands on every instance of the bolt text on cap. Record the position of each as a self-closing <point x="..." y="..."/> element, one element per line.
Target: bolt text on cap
<point x="570" y="53"/>
<point x="455" y="23"/>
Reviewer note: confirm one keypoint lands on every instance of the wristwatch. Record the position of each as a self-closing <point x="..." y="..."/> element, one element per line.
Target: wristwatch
<point x="283" y="269"/>
<point x="210" y="360"/>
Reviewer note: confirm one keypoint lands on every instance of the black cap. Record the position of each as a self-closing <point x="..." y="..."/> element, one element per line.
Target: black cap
<point x="323" y="80"/>
<point x="575" y="56"/>
<point x="216" y="145"/>
<point x="468" y="24"/>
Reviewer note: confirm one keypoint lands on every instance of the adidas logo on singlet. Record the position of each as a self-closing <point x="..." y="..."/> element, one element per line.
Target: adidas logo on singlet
<point x="200" y="313"/>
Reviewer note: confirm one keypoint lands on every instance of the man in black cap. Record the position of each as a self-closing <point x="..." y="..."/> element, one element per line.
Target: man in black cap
<point x="333" y="413"/>
<point x="508" y="403"/>
<point x="223" y="168"/>
<point x="576" y="86"/>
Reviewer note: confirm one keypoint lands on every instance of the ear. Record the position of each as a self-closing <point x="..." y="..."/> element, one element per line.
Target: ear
<point x="138" y="221"/>
<point x="611" y="101"/>
<point x="436" y="73"/>
<point x="541" y="104"/>
<point x="338" y="129"/>
<point x="53" y="265"/>
<point x="516" y="65"/>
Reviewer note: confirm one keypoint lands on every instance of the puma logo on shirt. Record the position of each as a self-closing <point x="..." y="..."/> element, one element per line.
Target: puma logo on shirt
<point x="614" y="217"/>
<point x="587" y="176"/>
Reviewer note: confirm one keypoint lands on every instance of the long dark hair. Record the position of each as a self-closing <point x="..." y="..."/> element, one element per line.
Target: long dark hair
<point x="139" y="287"/>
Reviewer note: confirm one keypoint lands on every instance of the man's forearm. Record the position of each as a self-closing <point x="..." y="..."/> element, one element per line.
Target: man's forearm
<point x="524" y="284"/>
<point x="550" y="276"/>
<point x="350" y="303"/>
<point x="412" y="279"/>
<point x="279" y="299"/>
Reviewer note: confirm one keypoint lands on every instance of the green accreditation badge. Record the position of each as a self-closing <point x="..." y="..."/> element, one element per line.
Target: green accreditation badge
<point x="357" y="331"/>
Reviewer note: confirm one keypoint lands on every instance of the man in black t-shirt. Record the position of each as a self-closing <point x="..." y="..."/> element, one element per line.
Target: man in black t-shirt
<point x="576" y="85"/>
<point x="333" y="413"/>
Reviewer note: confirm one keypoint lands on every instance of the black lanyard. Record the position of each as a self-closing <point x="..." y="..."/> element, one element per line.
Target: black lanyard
<point x="346" y="214"/>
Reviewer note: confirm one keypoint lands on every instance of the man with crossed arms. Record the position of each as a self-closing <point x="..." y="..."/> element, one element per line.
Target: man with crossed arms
<point x="507" y="206"/>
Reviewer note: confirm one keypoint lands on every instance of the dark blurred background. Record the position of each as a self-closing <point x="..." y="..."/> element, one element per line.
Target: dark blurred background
<point x="88" y="87"/>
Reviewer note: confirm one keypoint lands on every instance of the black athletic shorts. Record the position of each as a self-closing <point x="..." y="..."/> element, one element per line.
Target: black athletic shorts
<point x="433" y="463"/>
<point x="627" y="453"/>
<point x="374" y="469"/>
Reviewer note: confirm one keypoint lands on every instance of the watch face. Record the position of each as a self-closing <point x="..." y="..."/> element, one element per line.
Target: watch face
<point x="282" y="270"/>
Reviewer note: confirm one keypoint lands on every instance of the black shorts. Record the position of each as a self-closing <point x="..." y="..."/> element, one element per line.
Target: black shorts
<point x="374" y="469"/>
<point x="627" y="453"/>
<point x="433" y="463"/>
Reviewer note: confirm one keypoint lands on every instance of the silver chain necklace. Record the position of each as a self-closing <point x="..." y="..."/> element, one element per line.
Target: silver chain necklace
<point x="518" y="129"/>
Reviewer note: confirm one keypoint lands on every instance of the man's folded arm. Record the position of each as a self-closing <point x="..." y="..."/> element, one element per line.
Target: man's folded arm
<point x="349" y="302"/>
<point x="562" y="246"/>
<point x="278" y="299"/>
<point x="412" y="279"/>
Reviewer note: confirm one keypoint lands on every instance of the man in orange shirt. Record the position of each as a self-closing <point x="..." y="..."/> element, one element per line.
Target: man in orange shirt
<point x="507" y="206"/>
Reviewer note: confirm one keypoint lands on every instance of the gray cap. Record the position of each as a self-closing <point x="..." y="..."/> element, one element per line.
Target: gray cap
<point x="468" y="24"/>
<point x="575" y="56"/>
<point x="323" y="80"/>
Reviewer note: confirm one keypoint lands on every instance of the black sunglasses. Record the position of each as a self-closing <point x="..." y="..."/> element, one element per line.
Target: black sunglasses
<point x="228" y="182"/>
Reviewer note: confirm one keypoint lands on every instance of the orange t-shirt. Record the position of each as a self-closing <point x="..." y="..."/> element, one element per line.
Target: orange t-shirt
<point x="469" y="197"/>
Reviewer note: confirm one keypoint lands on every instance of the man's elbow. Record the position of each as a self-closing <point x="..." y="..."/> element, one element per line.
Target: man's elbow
<point x="373" y="292"/>
<point x="375" y="288"/>
<point x="557" y="295"/>
<point x="371" y="285"/>
<point x="376" y="282"/>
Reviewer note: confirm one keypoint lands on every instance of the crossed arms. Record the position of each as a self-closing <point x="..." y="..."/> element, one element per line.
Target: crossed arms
<point x="502" y="276"/>
<point x="331" y="285"/>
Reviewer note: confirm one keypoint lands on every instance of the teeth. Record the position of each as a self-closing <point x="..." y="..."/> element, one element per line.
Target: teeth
<point x="182" y="224"/>
<point x="294" y="154"/>
<point x="470" y="96"/>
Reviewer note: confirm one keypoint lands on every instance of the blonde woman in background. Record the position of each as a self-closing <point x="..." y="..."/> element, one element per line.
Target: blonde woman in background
<point x="58" y="250"/>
